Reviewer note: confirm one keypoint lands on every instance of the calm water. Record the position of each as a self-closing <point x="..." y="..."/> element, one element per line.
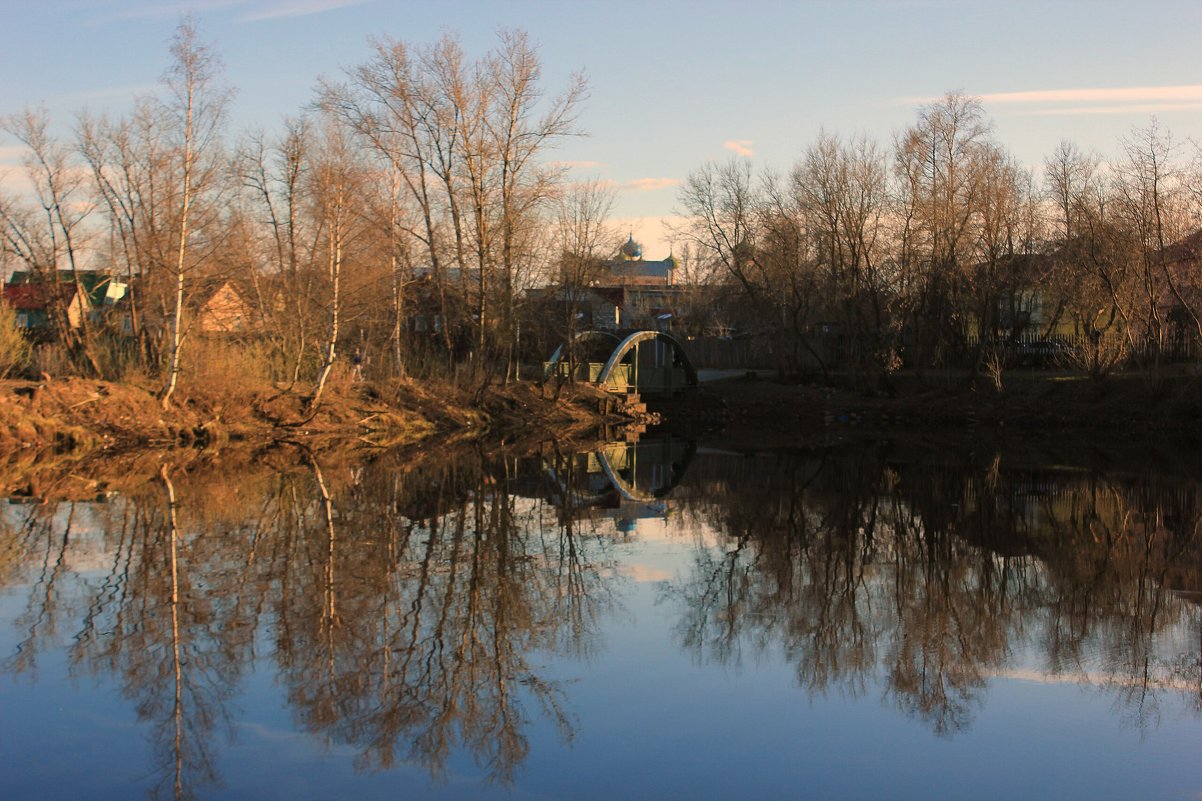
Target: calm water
<point x="651" y="621"/>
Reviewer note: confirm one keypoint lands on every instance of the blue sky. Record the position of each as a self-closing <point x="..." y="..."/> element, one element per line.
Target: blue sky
<point x="673" y="84"/>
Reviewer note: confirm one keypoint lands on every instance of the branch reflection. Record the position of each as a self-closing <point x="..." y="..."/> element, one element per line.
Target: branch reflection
<point x="407" y="610"/>
<point x="929" y="578"/>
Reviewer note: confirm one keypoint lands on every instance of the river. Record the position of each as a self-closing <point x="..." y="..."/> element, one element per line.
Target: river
<point x="643" y="621"/>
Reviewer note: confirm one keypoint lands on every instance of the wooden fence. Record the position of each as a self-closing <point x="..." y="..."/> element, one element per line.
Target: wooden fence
<point x="1026" y="350"/>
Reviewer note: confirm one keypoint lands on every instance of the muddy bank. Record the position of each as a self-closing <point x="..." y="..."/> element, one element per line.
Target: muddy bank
<point x="78" y="417"/>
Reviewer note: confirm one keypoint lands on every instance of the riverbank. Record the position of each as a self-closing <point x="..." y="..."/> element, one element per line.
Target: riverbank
<point x="1033" y="404"/>
<point x="74" y="415"/>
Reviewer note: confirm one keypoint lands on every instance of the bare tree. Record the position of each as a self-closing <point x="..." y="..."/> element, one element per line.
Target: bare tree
<point x="583" y="239"/>
<point x="1150" y="200"/>
<point x="197" y="105"/>
<point x="722" y="205"/>
<point x="275" y="175"/>
<point x="334" y="178"/>
<point x="1088" y="271"/>
<point x="48" y="232"/>
<point x="839" y="194"/>
<point x="938" y="162"/>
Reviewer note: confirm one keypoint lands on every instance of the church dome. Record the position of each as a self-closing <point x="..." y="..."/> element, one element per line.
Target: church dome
<point x="632" y="249"/>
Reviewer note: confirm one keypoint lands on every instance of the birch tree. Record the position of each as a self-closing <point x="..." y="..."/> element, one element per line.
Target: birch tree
<point x="197" y="107"/>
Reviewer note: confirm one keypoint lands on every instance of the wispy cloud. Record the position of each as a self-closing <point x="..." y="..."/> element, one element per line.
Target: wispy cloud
<point x="14" y="180"/>
<point x="298" y="8"/>
<point x="245" y="10"/>
<point x="1140" y="108"/>
<point x="648" y="184"/>
<point x="1090" y="101"/>
<point x="1131" y="94"/>
<point x="740" y="146"/>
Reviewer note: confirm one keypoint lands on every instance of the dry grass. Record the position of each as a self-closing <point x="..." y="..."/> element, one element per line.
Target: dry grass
<point x="15" y="350"/>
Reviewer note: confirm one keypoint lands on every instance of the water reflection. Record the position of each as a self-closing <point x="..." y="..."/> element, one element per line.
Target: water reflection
<point x="408" y="609"/>
<point x="936" y="576"/>
<point x="401" y="607"/>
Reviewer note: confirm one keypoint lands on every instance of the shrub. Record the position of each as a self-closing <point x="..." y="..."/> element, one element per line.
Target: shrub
<point x="15" y="350"/>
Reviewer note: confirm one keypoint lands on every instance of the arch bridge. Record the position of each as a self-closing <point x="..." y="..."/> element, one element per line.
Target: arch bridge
<point x="642" y="362"/>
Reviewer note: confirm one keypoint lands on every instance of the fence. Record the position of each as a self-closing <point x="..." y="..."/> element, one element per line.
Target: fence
<point x="724" y="353"/>
<point x="1025" y="350"/>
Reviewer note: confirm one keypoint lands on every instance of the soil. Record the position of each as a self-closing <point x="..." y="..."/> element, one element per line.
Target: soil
<point x="75" y="437"/>
<point x="69" y="431"/>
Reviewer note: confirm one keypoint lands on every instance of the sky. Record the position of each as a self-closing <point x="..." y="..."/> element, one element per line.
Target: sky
<point x="673" y="84"/>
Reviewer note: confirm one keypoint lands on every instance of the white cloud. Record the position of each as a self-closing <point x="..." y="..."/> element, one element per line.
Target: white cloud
<point x="740" y="146"/>
<point x="1090" y="101"/>
<point x="1132" y="94"/>
<point x="246" y="10"/>
<point x="298" y="8"/>
<point x="648" y="184"/>
<point x="1140" y="108"/>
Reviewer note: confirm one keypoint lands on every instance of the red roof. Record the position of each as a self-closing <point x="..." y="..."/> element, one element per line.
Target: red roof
<point x="25" y="297"/>
<point x="34" y="297"/>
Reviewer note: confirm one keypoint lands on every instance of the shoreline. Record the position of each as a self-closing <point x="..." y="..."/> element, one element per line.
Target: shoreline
<point x="1030" y="405"/>
<point x="54" y="428"/>
<point x="75" y="429"/>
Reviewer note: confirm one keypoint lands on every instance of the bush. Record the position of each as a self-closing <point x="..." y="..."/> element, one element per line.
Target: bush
<point x="229" y="366"/>
<point x="15" y="350"/>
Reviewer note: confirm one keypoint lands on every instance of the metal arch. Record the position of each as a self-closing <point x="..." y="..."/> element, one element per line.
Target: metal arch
<point x="625" y="490"/>
<point x="580" y="498"/>
<point x="641" y="336"/>
<point x="558" y="354"/>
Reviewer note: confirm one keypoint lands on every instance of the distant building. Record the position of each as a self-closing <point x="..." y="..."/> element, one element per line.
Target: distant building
<point x="213" y="307"/>
<point x="35" y="300"/>
<point x="34" y="303"/>
<point x="627" y="292"/>
<point x="629" y="268"/>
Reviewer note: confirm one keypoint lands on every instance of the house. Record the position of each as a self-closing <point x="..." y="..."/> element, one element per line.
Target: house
<point x="215" y="307"/>
<point x="33" y="297"/>
<point x="627" y="292"/>
<point x="629" y="268"/>
<point x="1181" y="301"/>
<point x="221" y="308"/>
<point x="35" y="302"/>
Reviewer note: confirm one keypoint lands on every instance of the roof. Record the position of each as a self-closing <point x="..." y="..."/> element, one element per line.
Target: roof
<point x="640" y="268"/>
<point x="96" y="283"/>
<point x="33" y="297"/>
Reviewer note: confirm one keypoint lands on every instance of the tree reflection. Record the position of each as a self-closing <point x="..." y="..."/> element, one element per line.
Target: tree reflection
<point x="929" y="578"/>
<point x="408" y="606"/>
<point x="429" y="619"/>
